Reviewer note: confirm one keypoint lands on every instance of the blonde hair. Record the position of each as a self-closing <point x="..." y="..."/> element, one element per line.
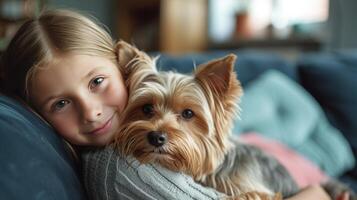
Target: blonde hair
<point x="38" y="41"/>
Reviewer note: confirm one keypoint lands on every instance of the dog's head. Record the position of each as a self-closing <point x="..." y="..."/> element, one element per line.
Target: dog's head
<point x="180" y="121"/>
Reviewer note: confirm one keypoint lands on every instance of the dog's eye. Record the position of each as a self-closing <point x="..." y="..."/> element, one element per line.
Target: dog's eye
<point x="187" y="114"/>
<point x="148" y="110"/>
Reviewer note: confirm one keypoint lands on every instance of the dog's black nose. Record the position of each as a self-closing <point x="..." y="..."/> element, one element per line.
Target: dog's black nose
<point x="157" y="138"/>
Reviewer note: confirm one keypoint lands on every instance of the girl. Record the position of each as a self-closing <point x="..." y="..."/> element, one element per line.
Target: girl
<point x="65" y="66"/>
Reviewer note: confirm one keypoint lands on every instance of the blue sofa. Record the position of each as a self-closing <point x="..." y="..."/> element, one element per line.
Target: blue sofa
<point x="35" y="163"/>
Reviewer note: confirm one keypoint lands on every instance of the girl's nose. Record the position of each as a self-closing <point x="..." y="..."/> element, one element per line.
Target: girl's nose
<point x="92" y="110"/>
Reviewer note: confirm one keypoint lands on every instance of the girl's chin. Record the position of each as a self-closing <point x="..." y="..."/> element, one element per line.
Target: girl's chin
<point x="104" y="139"/>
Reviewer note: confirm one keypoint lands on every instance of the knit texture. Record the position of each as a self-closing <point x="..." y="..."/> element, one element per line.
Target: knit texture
<point x="108" y="176"/>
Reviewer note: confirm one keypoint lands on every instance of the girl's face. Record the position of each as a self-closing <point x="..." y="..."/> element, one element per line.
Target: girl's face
<point x="82" y="97"/>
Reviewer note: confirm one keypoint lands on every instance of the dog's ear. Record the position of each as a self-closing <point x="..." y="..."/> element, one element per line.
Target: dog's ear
<point x="219" y="82"/>
<point x="218" y="75"/>
<point x="131" y="59"/>
<point x="135" y="65"/>
<point x="125" y="53"/>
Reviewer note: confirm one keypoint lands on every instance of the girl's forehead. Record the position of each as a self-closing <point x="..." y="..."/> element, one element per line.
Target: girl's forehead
<point x="75" y="64"/>
<point x="69" y="73"/>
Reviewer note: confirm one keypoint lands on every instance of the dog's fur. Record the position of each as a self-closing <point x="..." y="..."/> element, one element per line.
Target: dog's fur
<point x="183" y="122"/>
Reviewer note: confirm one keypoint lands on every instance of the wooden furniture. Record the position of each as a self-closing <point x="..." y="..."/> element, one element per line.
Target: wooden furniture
<point x="169" y="26"/>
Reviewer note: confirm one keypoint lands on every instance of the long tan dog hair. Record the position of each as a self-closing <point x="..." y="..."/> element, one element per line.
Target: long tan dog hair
<point x="184" y="122"/>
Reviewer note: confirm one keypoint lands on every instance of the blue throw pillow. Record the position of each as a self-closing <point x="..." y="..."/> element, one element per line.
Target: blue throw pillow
<point x="279" y="108"/>
<point x="34" y="163"/>
<point x="332" y="79"/>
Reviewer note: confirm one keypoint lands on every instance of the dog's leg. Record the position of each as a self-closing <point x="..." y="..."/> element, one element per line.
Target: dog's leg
<point x="246" y="169"/>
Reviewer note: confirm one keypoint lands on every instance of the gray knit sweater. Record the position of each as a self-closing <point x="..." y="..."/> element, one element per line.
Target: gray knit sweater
<point x="107" y="176"/>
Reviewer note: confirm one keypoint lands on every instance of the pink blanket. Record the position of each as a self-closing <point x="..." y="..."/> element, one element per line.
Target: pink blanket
<point x="303" y="171"/>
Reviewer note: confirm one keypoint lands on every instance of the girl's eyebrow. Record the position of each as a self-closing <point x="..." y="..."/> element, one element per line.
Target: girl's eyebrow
<point x="91" y="72"/>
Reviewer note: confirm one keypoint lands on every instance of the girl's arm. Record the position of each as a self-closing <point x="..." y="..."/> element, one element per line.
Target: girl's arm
<point x="108" y="176"/>
<point x="312" y="193"/>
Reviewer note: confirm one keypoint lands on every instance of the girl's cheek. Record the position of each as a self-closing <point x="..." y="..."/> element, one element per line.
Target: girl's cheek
<point x="65" y="124"/>
<point x="116" y="95"/>
<point x="66" y="129"/>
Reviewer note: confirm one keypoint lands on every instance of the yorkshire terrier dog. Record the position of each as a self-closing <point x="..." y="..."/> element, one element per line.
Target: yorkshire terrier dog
<point x="184" y="122"/>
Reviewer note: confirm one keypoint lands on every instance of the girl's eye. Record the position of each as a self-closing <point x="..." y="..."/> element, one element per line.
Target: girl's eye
<point x="148" y="110"/>
<point x="187" y="114"/>
<point x="60" y="104"/>
<point x="95" y="82"/>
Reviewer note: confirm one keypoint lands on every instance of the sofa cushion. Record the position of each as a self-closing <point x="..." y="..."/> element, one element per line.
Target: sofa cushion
<point x="34" y="161"/>
<point x="250" y="64"/>
<point x="332" y="79"/>
<point x="279" y="108"/>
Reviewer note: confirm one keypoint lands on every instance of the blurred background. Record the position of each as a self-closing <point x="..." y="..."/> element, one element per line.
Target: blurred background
<point x="183" y="26"/>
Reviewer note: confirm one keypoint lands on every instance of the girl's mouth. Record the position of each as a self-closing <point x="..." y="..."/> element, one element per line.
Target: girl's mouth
<point x="104" y="128"/>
